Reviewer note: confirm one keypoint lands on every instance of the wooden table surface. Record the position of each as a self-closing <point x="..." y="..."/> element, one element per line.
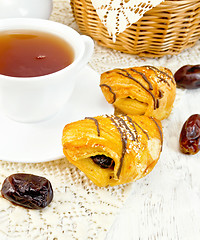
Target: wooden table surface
<point x="166" y="203"/>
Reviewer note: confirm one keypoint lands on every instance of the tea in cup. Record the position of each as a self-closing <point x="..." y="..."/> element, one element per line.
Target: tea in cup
<point x="39" y="62"/>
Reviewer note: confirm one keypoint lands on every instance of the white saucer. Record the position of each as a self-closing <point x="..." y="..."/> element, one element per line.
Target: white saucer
<point x="40" y="142"/>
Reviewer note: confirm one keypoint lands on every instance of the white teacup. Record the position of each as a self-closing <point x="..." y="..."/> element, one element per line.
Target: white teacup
<point x="37" y="98"/>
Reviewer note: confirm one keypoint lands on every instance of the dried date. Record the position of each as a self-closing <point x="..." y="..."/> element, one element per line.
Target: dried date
<point x="190" y="135"/>
<point x="188" y="76"/>
<point x="27" y="190"/>
<point x="103" y="161"/>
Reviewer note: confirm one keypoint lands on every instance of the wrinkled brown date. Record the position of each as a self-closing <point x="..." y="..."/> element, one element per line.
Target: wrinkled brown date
<point x="27" y="190"/>
<point x="190" y="135"/>
<point x="103" y="161"/>
<point x="188" y="76"/>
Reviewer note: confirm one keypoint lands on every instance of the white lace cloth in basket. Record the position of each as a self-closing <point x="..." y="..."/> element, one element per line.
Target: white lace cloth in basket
<point x="79" y="210"/>
<point x="117" y="15"/>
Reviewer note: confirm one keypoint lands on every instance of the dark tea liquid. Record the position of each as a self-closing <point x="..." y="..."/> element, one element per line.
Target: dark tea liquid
<point x="26" y="53"/>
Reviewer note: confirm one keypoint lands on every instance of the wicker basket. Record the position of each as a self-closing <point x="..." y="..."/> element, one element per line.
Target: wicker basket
<point x="168" y="28"/>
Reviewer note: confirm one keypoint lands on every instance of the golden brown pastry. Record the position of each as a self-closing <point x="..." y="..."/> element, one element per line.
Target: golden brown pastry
<point x="144" y="90"/>
<point x="113" y="150"/>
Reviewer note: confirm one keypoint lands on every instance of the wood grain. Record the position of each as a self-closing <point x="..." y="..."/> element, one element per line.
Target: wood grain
<point x="166" y="204"/>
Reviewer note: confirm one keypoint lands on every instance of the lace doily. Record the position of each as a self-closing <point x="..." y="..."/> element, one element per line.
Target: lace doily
<point x="105" y="59"/>
<point x="117" y="15"/>
<point x="79" y="210"/>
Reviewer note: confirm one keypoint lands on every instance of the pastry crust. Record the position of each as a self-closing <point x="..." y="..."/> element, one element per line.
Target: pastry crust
<point x="143" y="90"/>
<point x="134" y="143"/>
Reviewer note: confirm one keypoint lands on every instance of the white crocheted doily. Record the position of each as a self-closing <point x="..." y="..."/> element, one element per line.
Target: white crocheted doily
<point x="104" y="59"/>
<point x="117" y="15"/>
<point x="79" y="210"/>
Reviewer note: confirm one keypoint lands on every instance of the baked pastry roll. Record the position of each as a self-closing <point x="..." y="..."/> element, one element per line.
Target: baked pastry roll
<point x="113" y="150"/>
<point x="143" y="90"/>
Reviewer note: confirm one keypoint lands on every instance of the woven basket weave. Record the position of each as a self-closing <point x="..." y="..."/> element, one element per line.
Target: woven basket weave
<point x="168" y="28"/>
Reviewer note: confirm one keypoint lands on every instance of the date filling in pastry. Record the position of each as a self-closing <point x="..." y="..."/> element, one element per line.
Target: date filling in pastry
<point x="143" y="90"/>
<point x="103" y="161"/>
<point x="112" y="149"/>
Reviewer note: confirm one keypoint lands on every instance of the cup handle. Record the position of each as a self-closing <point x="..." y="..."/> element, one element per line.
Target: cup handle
<point x="89" y="49"/>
